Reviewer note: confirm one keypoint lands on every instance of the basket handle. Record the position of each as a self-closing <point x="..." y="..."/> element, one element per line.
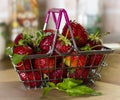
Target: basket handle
<point x="57" y="23"/>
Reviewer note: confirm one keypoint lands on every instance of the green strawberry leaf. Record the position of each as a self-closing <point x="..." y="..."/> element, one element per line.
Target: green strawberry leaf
<point x="64" y="40"/>
<point x="21" y="42"/>
<point x="16" y="58"/>
<point x="9" y="51"/>
<point x="39" y="36"/>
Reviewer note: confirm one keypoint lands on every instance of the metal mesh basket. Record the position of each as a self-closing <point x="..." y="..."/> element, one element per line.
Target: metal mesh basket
<point x="61" y="66"/>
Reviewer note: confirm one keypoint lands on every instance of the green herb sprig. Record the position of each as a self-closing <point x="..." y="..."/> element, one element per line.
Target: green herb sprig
<point x="72" y="87"/>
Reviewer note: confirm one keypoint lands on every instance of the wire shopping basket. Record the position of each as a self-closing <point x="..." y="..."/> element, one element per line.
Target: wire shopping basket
<point x="84" y="65"/>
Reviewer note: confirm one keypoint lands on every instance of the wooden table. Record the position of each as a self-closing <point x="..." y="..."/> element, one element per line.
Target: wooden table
<point x="16" y="91"/>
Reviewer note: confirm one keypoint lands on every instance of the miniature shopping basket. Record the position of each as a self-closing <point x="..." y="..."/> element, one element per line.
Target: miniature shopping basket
<point x="89" y="73"/>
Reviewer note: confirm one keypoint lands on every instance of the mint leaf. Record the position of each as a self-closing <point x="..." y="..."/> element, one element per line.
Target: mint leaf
<point x="77" y="81"/>
<point x="72" y="87"/>
<point x="69" y="83"/>
<point x="46" y="91"/>
<point x="51" y="84"/>
<point x="16" y="58"/>
<point x="82" y="91"/>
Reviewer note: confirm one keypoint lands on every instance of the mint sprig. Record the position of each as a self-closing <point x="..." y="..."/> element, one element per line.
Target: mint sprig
<point x="16" y="58"/>
<point x="72" y="87"/>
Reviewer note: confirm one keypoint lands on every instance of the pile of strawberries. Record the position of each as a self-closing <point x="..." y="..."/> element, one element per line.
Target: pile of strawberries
<point x="54" y="56"/>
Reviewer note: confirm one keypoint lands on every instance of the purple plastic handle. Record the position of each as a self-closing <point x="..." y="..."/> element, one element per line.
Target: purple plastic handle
<point x="57" y="22"/>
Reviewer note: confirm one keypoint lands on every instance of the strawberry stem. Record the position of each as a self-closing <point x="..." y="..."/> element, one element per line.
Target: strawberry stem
<point x="67" y="33"/>
<point x="96" y="46"/>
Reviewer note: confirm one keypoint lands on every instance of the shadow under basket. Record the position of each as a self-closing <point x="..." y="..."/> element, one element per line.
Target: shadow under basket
<point x="36" y="70"/>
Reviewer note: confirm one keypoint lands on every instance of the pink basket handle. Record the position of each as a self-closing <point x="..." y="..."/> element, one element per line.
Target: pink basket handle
<point x="57" y="22"/>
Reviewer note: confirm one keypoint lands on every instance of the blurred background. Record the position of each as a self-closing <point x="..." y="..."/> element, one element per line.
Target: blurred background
<point x="95" y="15"/>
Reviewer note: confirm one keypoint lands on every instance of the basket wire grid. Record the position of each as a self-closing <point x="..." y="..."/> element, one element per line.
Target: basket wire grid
<point x="38" y="77"/>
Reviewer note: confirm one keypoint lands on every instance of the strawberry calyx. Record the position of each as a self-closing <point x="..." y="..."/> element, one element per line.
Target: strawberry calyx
<point x="26" y="39"/>
<point x="97" y="36"/>
<point x="39" y="36"/>
<point x="64" y="40"/>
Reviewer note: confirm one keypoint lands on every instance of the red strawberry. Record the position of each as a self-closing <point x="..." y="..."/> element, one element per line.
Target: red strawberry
<point x="49" y="31"/>
<point x="46" y="65"/>
<point x="57" y="76"/>
<point x="24" y="65"/>
<point x="94" y="59"/>
<point x="23" y="50"/>
<point x="23" y="39"/>
<point x="18" y="38"/>
<point x="31" y="79"/>
<point x="79" y="73"/>
<point x="46" y="43"/>
<point x="75" y="60"/>
<point x="79" y="33"/>
<point x="95" y="40"/>
<point x="62" y="44"/>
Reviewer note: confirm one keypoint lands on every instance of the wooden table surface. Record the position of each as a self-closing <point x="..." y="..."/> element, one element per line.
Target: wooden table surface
<point x="16" y="91"/>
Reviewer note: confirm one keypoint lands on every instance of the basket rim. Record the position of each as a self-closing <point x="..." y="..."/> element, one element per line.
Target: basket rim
<point x="105" y="50"/>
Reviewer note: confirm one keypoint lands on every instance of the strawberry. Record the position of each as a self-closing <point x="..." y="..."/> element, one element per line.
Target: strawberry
<point x="18" y="38"/>
<point x="28" y="39"/>
<point x="78" y="73"/>
<point x="95" y="40"/>
<point x="24" y="65"/>
<point x="94" y="43"/>
<point x="79" y="33"/>
<point x="23" y="50"/>
<point x="62" y="44"/>
<point x="31" y="79"/>
<point x="58" y="75"/>
<point x="46" y="64"/>
<point x="75" y="60"/>
<point x="23" y="39"/>
<point x="94" y="60"/>
<point x="46" y="43"/>
<point x="49" y="31"/>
